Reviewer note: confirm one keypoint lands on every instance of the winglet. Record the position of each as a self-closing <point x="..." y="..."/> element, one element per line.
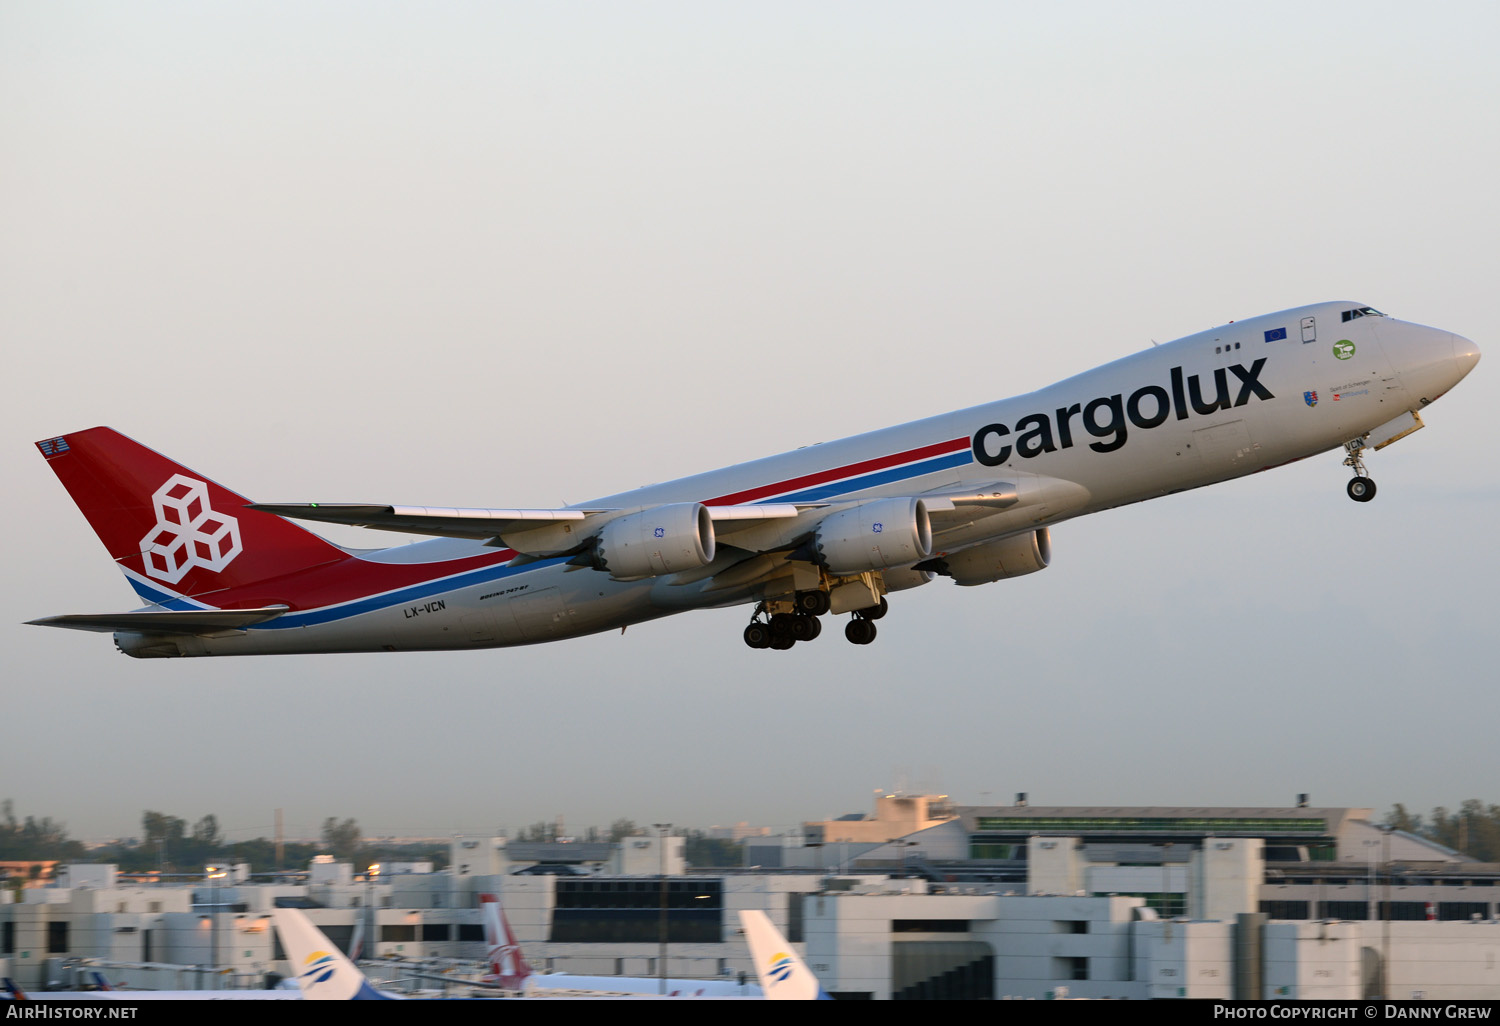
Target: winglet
<point x="783" y="974"/>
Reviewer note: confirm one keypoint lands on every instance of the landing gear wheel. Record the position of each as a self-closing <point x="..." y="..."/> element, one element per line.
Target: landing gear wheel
<point x="803" y="628"/>
<point x="815" y="625"/>
<point x="812" y="603"/>
<point x="859" y="631"/>
<point x="875" y="612"/>
<point x="783" y="642"/>
<point x="783" y="625"/>
<point x="758" y="635"/>
<point x="1361" y="489"/>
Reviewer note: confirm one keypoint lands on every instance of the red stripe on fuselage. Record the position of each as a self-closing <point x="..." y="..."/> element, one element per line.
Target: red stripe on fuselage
<point x="852" y="470"/>
<point x="353" y="578"/>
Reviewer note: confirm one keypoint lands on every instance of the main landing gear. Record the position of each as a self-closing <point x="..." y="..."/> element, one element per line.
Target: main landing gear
<point x="1361" y="488"/>
<point x="783" y="630"/>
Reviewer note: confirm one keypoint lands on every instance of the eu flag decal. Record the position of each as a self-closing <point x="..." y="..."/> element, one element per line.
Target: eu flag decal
<point x="1276" y="335"/>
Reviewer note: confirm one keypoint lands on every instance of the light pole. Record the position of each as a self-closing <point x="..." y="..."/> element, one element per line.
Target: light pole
<point x="214" y="874"/>
<point x="1370" y="887"/>
<point x="661" y="960"/>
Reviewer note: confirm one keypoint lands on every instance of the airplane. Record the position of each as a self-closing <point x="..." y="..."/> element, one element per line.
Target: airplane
<point x="783" y="974"/>
<point x="829" y="528"/>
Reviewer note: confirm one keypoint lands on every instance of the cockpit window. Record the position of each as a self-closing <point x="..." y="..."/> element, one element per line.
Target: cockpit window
<point x="1364" y="311"/>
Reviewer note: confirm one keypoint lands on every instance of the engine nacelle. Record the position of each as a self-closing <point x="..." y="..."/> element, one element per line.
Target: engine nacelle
<point x="874" y="535"/>
<point x="997" y="560"/>
<point x="664" y="540"/>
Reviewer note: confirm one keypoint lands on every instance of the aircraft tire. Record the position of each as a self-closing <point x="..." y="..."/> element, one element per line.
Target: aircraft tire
<point x="812" y="603"/>
<point x="815" y="625"/>
<point x="782" y="642"/>
<point x="859" y="631"/>
<point x="1361" y="489"/>
<point x="876" y="612"/>
<point x="758" y="635"/>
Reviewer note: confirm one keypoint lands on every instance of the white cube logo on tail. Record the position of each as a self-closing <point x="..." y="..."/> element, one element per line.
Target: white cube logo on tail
<point x="188" y="532"/>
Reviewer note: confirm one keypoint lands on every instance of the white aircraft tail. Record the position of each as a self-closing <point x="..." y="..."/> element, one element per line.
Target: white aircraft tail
<point x="508" y="968"/>
<point x="323" y="972"/>
<point x="783" y="974"/>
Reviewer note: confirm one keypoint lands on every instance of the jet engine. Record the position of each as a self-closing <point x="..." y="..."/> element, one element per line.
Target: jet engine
<point x="996" y="560"/>
<point x="873" y="536"/>
<point x="664" y="540"/>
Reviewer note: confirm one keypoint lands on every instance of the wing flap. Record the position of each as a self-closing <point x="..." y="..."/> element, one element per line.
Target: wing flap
<point x="165" y="621"/>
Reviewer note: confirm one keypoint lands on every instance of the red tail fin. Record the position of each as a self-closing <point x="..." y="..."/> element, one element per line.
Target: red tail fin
<point x="170" y="528"/>
<point x="508" y="966"/>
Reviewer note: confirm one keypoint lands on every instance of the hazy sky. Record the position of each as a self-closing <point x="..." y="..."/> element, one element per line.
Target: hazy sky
<point x="502" y="254"/>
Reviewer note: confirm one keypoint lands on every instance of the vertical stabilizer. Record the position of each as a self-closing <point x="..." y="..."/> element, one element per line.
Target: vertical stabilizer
<point x="508" y="966"/>
<point x="783" y="974"/>
<point x="322" y="970"/>
<point x="173" y="531"/>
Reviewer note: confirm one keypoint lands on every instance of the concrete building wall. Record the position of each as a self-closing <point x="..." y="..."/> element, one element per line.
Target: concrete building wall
<point x="1443" y="961"/>
<point x="1313" y="961"/>
<point x="1176" y="959"/>
<point x="1226" y="875"/>
<point x="1055" y="865"/>
<point x="1081" y="943"/>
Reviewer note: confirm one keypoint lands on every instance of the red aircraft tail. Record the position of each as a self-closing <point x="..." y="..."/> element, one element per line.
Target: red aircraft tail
<point x="172" y="531"/>
<point x="508" y="966"/>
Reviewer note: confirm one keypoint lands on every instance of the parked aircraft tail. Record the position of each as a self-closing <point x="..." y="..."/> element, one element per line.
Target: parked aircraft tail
<point x="783" y="974"/>
<point x="323" y="972"/>
<point x="508" y="968"/>
<point x="12" y="991"/>
<point x="172" y="531"/>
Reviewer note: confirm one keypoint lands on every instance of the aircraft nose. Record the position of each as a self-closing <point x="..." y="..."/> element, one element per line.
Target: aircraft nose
<point x="1465" y="353"/>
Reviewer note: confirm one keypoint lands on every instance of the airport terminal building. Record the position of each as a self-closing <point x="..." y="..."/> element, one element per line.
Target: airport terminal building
<point x="921" y="899"/>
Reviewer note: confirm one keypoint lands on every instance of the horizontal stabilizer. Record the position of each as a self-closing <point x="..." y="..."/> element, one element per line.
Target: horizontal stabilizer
<point x="165" y="621"/>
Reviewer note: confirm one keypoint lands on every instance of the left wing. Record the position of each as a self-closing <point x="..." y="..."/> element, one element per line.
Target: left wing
<point x="533" y="532"/>
<point x="165" y="621"/>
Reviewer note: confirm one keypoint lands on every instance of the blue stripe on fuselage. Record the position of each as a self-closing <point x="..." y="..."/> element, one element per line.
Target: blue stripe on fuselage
<point x="385" y="600"/>
<point x="880" y="477"/>
<point x="442" y="585"/>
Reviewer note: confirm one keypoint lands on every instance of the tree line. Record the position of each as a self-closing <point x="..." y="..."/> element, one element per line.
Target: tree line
<point x="170" y="845"/>
<point x="1474" y="828"/>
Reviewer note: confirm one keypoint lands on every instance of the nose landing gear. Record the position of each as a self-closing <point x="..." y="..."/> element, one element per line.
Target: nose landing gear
<point x="1361" y="488"/>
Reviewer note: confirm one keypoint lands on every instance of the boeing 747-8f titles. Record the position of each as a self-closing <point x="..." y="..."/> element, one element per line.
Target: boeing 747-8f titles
<point x="830" y="528"/>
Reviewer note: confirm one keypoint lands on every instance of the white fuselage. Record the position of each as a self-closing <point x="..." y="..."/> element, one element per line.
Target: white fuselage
<point x="1202" y="409"/>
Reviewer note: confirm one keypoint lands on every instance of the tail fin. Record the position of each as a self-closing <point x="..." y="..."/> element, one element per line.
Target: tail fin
<point x="12" y="991"/>
<point x="172" y="531"/>
<point x="508" y="966"/>
<point x="100" y="983"/>
<point x="323" y="973"/>
<point x="783" y="974"/>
